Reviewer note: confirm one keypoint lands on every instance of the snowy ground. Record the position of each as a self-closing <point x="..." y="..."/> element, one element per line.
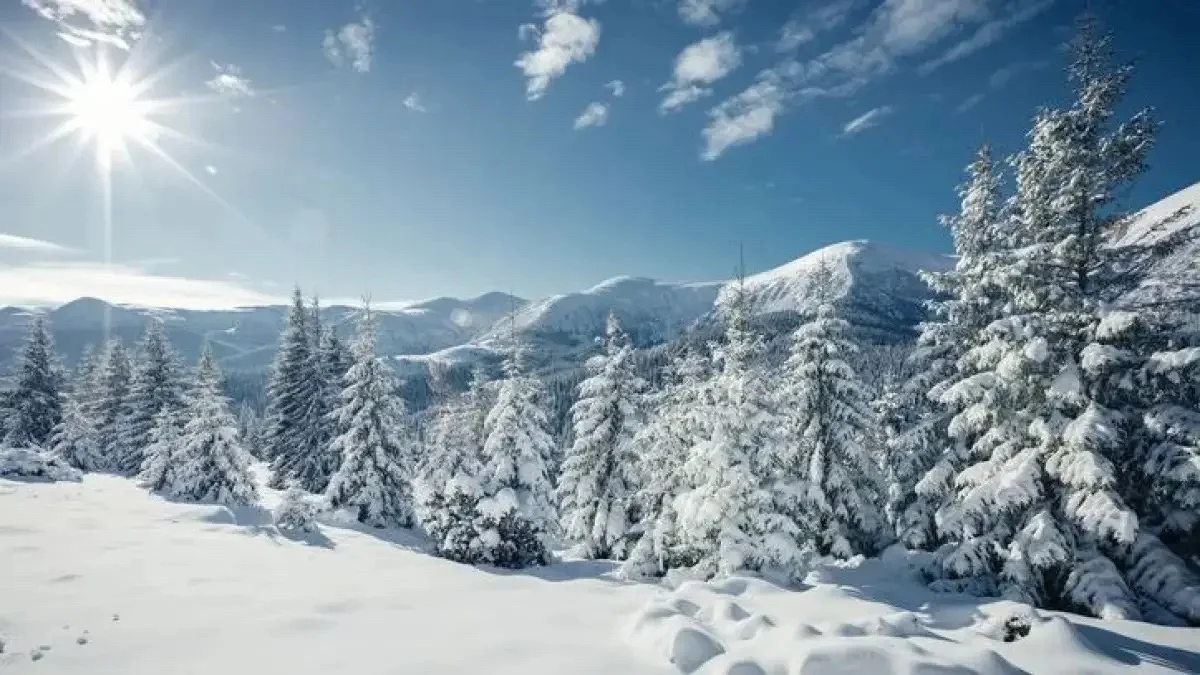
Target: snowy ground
<point x="99" y="577"/>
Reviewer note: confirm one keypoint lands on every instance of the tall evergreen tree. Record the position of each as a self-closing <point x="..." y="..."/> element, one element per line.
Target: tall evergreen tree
<point x="968" y="300"/>
<point x="676" y="424"/>
<point x="599" y="477"/>
<point x="36" y="400"/>
<point x="156" y="384"/>
<point x="515" y="510"/>
<point x="377" y="456"/>
<point x="447" y="488"/>
<point x="733" y="515"/>
<point x="74" y="438"/>
<point x="163" y="454"/>
<point x="1038" y="512"/>
<point x="839" y="486"/>
<point x="290" y="388"/>
<point x="110" y="391"/>
<point x="210" y="465"/>
<point x="311" y="462"/>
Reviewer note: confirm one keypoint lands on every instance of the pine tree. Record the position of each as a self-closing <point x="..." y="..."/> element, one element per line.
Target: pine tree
<point x="74" y="438"/>
<point x="211" y="466"/>
<point x="111" y="388"/>
<point x="733" y="515"/>
<point x="163" y="453"/>
<point x="1038" y="512"/>
<point x="36" y="400"/>
<point x="155" y="385"/>
<point x="515" y="512"/>
<point x="377" y="458"/>
<point x="447" y="490"/>
<point x="290" y="390"/>
<point x="311" y="462"/>
<point x="921" y="453"/>
<point x="675" y="425"/>
<point x="837" y="486"/>
<point x="599" y="475"/>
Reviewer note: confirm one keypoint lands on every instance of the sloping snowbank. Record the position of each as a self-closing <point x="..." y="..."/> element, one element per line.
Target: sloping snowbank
<point x="99" y="577"/>
<point x="35" y="464"/>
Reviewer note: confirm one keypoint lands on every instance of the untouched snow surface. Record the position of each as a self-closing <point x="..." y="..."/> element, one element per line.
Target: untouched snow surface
<point x="100" y="577"/>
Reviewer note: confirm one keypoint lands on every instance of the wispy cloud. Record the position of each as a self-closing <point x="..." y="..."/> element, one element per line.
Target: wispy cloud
<point x="1004" y="75"/>
<point x="894" y="30"/>
<point x="279" y="28"/>
<point x="413" y="103"/>
<point x="61" y="282"/>
<point x="804" y="28"/>
<point x="353" y="43"/>
<point x="999" y="79"/>
<point x="969" y="103"/>
<point x="83" y="22"/>
<point x="708" y="12"/>
<point x="563" y="39"/>
<point x="1015" y="13"/>
<point x="594" y="115"/>
<point x="616" y="88"/>
<point x="210" y="169"/>
<point x="697" y="66"/>
<point x="867" y="120"/>
<point x="230" y="82"/>
<point x="26" y="244"/>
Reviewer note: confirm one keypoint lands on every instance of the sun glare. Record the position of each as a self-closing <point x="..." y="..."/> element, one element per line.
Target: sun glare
<point x="108" y="110"/>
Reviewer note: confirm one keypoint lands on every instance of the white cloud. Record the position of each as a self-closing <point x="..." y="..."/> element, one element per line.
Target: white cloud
<point x="698" y="65"/>
<point x="970" y="102"/>
<point x="867" y="120"/>
<point x="57" y="283"/>
<point x="279" y="28"/>
<point x="210" y="169"/>
<point x="594" y="115"/>
<point x="229" y="81"/>
<point x="565" y="38"/>
<point x="115" y="22"/>
<point x="19" y="243"/>
<point x="616" y="88"/>
<point x="413" y="103"/>
<point x="353" y="42"/>
<point x="1015" y="13"/>
<point x="745" y="117"/>
<point x="707" y="12"/>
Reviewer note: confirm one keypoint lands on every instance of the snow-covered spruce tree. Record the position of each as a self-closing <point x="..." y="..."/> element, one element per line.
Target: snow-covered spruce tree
<point x="36" y="399"/>
<point x="921" y="454"/>
<point x="376" y="468"/>
<point x="211" y="466"/>
<point x="447" y="489"/>
<point x="155" y="385"/>
<point x="1039" y="514"/>
<point x="296" y="511"/>
<point x="515" y="512"/>
<point x="736" y="513"/>
<point x="85" y="369"/>
<point x="74" y="438"/>
<point x="599" y="475"/>
<point x="109" y="391"/>
<point x="162" y="453"/>
<point x="675" y="424"/>
<point x="289" y="390"/>
<point x="312" y="461"/>
<point x="836" y="485"/>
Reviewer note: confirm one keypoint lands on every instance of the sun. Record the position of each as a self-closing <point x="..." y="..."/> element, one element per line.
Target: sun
<point x="108" y="110"/>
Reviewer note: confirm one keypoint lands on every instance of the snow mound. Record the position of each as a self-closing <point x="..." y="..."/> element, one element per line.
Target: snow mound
<point x="34" y="464"/>
<point x="868" y="616"/>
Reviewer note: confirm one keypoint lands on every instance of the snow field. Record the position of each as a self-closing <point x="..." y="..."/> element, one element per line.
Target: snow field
<point x="100" y="577"/>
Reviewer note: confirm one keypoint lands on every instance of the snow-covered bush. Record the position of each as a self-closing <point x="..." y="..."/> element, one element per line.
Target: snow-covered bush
<point x="297" y="512"/>
<point x="27" y="463"/>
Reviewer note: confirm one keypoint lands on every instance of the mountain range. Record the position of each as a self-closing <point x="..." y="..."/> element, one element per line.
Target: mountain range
<point x="878" y="288"/>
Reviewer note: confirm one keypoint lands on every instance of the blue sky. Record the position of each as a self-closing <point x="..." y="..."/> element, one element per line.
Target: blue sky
<point x="420" y="148"/>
